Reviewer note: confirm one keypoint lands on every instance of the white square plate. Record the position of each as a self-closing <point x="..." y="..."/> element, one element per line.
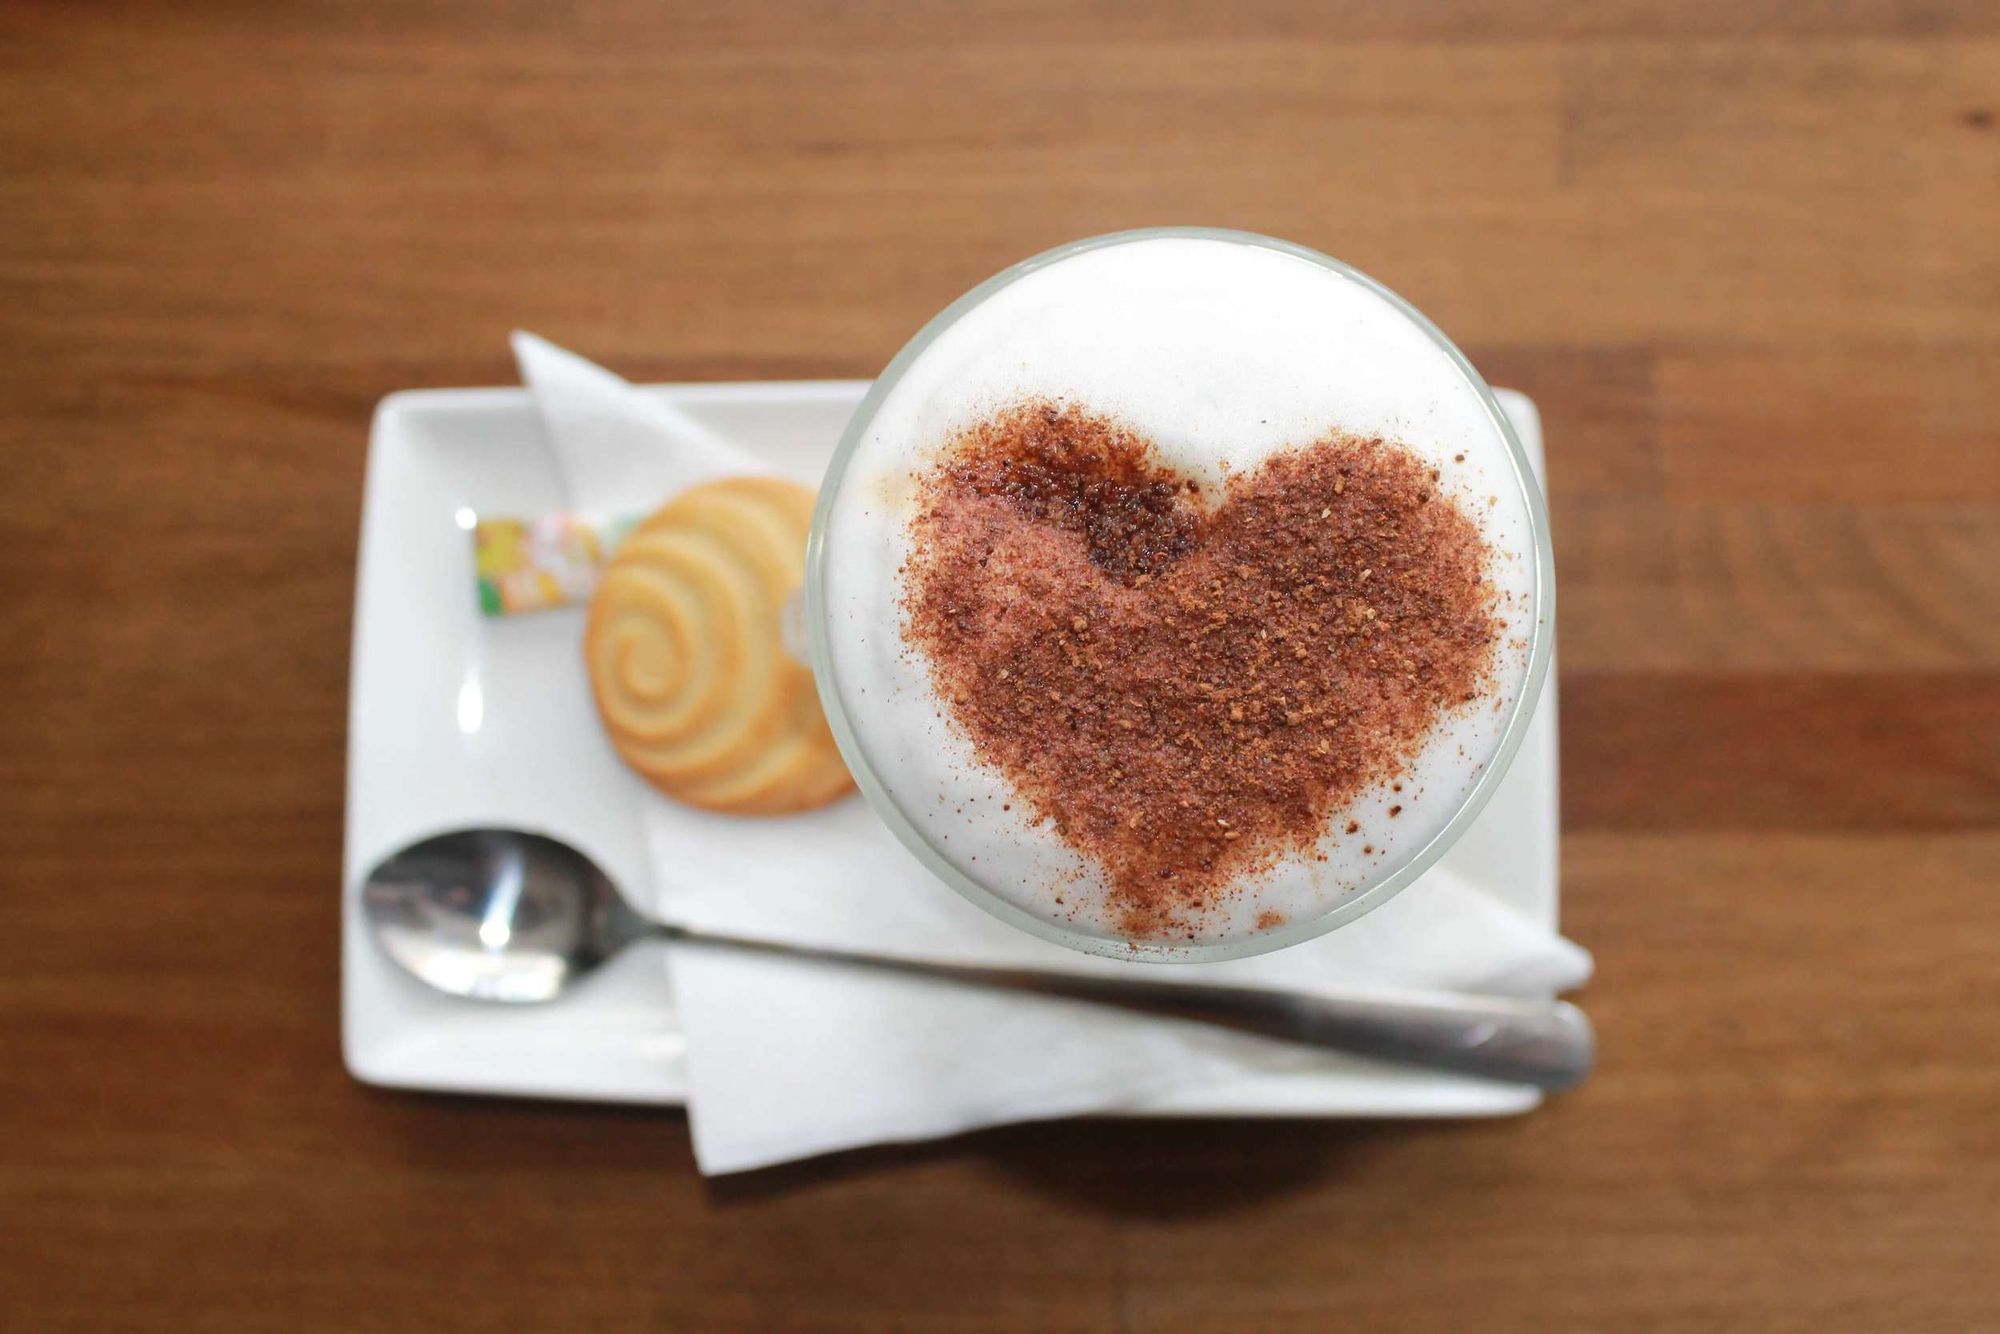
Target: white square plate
<point x="456" y="720"/>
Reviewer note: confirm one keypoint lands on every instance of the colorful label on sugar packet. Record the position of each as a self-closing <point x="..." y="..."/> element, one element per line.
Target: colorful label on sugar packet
<point x="536" y="564"/>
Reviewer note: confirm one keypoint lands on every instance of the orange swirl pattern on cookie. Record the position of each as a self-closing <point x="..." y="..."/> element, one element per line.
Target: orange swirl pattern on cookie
<point x="687" y="660"/>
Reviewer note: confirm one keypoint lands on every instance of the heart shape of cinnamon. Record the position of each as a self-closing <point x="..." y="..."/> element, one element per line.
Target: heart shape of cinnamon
<point x="1188" y="686"/>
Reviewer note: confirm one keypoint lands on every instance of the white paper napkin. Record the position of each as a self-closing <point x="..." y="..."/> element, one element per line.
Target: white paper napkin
<point x="615" y="446"/>
<point x="790" y="1059"/>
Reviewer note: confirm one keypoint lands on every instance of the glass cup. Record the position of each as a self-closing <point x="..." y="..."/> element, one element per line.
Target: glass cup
<point x="1363" y="898"/>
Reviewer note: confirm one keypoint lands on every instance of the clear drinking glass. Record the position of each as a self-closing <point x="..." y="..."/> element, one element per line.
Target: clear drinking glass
<point x="1363" y="898"/>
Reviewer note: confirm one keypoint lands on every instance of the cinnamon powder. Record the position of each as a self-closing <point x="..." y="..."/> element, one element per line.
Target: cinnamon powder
<point x="1186" y="690"/>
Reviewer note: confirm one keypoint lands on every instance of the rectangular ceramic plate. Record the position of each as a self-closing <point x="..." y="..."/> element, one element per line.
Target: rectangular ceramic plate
<point x="458" y="720"/>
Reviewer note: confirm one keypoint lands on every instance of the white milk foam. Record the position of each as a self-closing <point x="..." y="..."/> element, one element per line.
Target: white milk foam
<point x="1222" y="352"/>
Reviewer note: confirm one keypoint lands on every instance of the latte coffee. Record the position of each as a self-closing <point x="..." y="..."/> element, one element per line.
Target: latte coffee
<point x="1178" y="594"/>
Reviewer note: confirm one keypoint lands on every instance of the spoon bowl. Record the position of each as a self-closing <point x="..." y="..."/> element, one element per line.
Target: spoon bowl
<point x="497" y="914"/>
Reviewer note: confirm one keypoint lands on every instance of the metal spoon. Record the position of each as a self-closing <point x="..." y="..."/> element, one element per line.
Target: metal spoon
<point x="504" y="915"/>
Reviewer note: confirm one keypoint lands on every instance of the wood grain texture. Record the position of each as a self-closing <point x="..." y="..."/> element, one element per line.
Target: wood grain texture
<point x="1743" y="256"/>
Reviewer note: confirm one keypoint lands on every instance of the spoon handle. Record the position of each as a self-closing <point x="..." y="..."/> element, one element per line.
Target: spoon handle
<point x="1545" y="1043"/>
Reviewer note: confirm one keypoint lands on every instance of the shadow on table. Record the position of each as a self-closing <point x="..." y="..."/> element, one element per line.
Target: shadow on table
<point x="1122" y="1168"/>
<point x="1118" y="1168"/>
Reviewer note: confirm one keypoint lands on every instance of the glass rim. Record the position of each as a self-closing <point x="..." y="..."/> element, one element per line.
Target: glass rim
<point x="1355" y="905"/>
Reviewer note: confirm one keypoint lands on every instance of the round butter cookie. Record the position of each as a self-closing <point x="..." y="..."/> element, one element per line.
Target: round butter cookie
<point x="687" y="659"/>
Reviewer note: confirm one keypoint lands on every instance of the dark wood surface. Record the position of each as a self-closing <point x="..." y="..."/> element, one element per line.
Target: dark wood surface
<point x="1743" y="255"/>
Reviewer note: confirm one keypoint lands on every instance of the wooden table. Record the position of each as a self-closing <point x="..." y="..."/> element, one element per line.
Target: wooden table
<point x="1744" y="256"/>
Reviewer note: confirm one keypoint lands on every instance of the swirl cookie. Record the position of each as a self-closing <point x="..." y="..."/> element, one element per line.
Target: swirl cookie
<point x="686" y="655"/>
